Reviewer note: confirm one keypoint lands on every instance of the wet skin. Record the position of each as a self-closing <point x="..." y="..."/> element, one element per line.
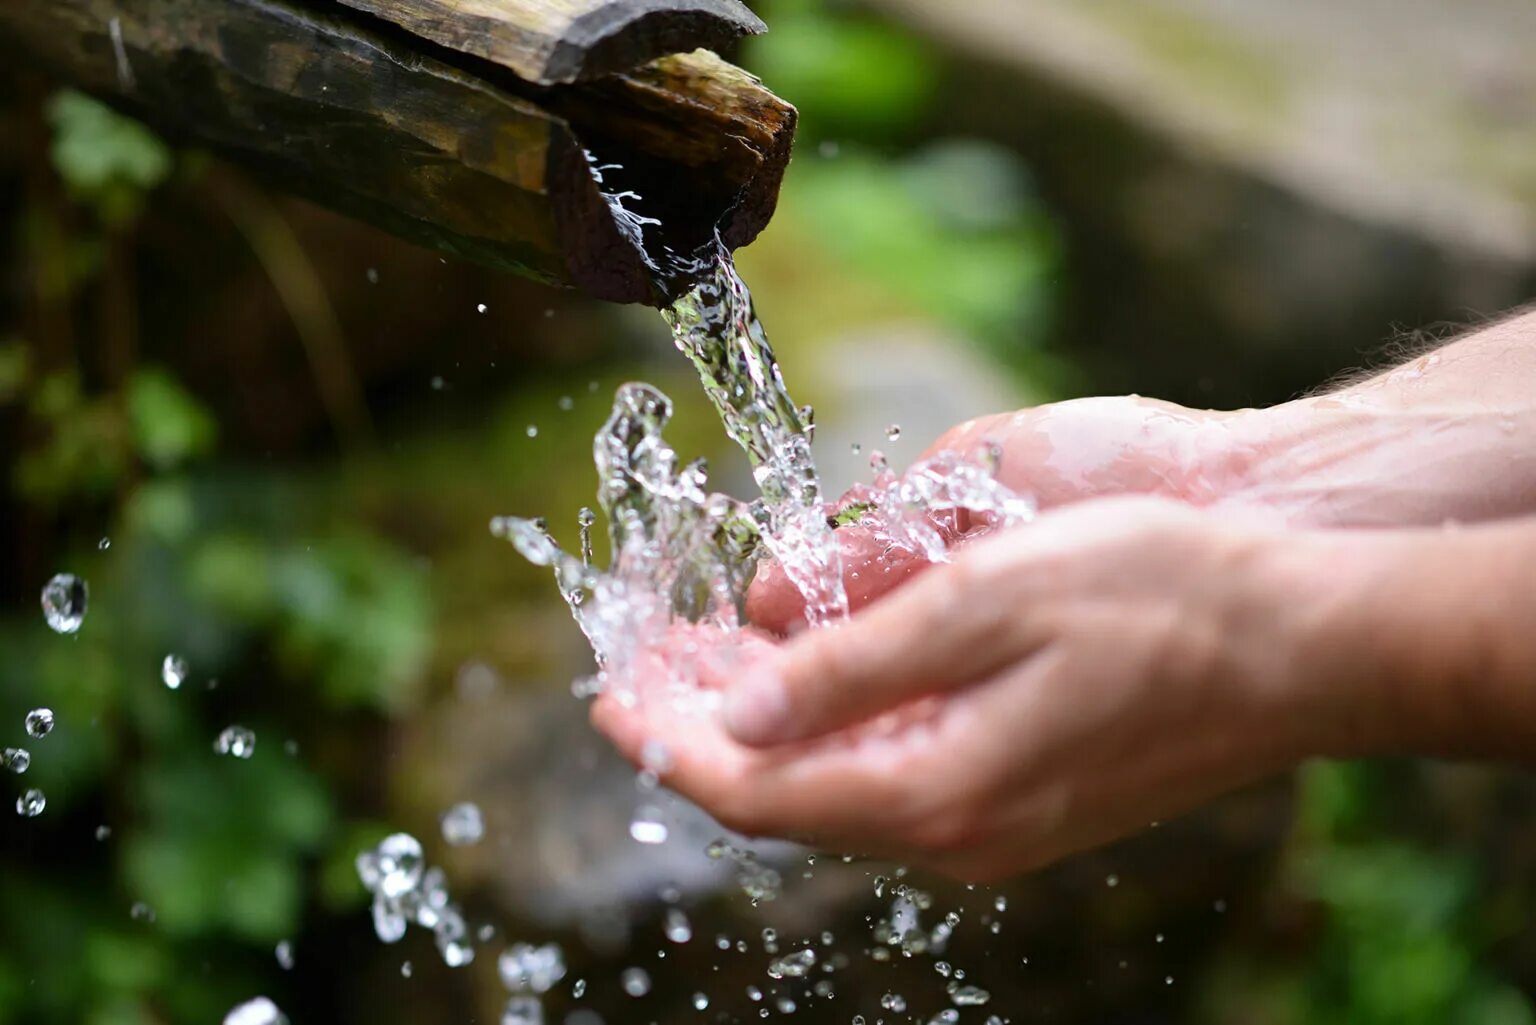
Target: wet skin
<point x="1174" y="625"/>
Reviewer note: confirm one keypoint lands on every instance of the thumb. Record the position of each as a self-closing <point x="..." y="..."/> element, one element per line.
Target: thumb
<point x="927" y="637"/>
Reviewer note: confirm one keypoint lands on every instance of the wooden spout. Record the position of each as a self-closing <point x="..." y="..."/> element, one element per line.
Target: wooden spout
<point x="447" y="147"/>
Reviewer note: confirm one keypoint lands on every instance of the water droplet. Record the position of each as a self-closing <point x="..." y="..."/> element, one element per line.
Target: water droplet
<point x="943" y="968"/>
<point x="40" y="722"/>
<point x="532" y="431"/>
<point x="579" y="989"/>
<point x="856" y="448"/>
<point x="141" y="912"/>
<point x="398" y="863"/>
<point x="828" y="150"/>
<point x="103" y="833"/>
<point x="700" y="1002"/>
<point x="438" y="384"/>
<point x="678" y="928"/>
<point x="480" y="307"/>
<point x="1158" y="937"/>
<point x="103" y="544"/>
<point x="406" y="969"/>
<point x="636" y="982"/>
<point x="463" y="825"/>
<point x="65" y="598"/>
<point x="236" y="741"/>
<point x="523" y="1010"/>
<point x="565" y="403"/>
<point x="969" y="996"/>
<point x="1001" y="903"/>
<point x="260" y="1011"/>
<point x="1220" y="907"/>
<point x="647" y="827"/>
<point x="1111" y="880"/>
<point x="655" y="757"/>
<point x="284" y="952"/>
<point x="17" y="759"/>
<point x="893" y="432"/>
<point x="1168" y="981"/>
<point x="372" y="275"/>
<point x="525" y="968"/>
<point x="894" y="1002"/>
<point x="792" y="966"/>
<point x="173" y="670"/>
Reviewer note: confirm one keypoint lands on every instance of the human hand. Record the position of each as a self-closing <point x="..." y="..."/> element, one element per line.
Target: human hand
<point x="1057" y="454"/>
<point x="1056" y="686"/>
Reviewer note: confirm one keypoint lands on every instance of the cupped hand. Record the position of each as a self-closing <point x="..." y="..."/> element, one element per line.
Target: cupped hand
<point x="1057" y="685"/>
<point x="1056" y="454"/>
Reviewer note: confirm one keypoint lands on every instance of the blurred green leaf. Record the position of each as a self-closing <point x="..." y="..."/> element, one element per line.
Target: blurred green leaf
<point x="852" y="76"/>
<point x="169" y="426"/>
<point x="103" y="156"/>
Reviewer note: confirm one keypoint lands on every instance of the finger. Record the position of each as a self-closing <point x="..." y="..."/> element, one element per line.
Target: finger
<point x="939" y="632"/>
<point x="871" y="567"/>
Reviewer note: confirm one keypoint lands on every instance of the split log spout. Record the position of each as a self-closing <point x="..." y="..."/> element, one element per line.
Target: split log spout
<point x="448" y="148"/>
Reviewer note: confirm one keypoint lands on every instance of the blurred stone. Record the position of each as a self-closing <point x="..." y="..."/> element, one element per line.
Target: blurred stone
<point x="1254" y="194"/>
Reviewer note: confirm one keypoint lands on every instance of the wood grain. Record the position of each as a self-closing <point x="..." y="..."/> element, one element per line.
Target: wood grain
<point x="551" y="42"/>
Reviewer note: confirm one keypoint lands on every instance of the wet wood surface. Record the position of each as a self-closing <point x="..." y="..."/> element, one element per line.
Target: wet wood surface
<point x="456" y="154"/>
<point x="562" y="41"/>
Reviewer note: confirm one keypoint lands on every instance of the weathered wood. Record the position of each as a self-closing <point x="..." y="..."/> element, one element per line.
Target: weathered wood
<point x="369" y="123"/>
<point x="561" y="41"/>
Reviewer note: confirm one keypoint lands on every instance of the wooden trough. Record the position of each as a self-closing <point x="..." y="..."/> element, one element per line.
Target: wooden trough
<point x="487" y="128"/>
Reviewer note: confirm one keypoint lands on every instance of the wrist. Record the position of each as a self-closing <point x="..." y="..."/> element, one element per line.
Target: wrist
<point x="1410" y="642"/>
<point x="1347" y="460"/>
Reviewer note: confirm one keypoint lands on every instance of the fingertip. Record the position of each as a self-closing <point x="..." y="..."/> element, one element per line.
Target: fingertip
<point x="757" y="709"/>
<point x="620" y="725"/>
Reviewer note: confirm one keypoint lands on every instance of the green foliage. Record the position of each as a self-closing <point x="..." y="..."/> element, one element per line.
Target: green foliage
<point x="169" y="428"/>
<point x="951" y="228"/>
<point x="851" y="76"/>
<point x="1403" y="938"/>
<point x="104" y="158"/>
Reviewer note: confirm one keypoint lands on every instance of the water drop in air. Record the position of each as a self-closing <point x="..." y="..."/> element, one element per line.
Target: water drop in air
<point x="284" y="952"/>
<point x="480" y="307"/>
<point x="700" y="1002"/>
<point x="236" y="741"/>
<point x="40" y="722"/>
<point x="31" y="804"/>
<point x="463" y="825"/>
<point x="636" y="982"/>
<point x="103" y="544"/>
<point x="173" y="670"/>
<point x="17" y="759"/>
<point x="141" y="912"/>
<point x="260" y="1011"/>
<point x="65" y="598"/>
<point x="523" y="1010"/>
<point x="678" y="928"/>
<point x="528" y="969"/>
<point x="399" y="865"/>
<point x="647" y="827"/>
<point x="893" y="432"/>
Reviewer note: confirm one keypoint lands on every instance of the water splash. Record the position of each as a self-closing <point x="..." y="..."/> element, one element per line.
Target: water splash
<point x="717" y="328"/>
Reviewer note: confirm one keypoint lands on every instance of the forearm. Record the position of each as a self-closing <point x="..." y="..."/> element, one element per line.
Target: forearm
<point x="1450" y="435"/>
<point x="1418" y="641"/>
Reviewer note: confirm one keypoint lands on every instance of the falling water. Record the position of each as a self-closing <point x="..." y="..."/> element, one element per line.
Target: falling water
<point x="684" y="555"/>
